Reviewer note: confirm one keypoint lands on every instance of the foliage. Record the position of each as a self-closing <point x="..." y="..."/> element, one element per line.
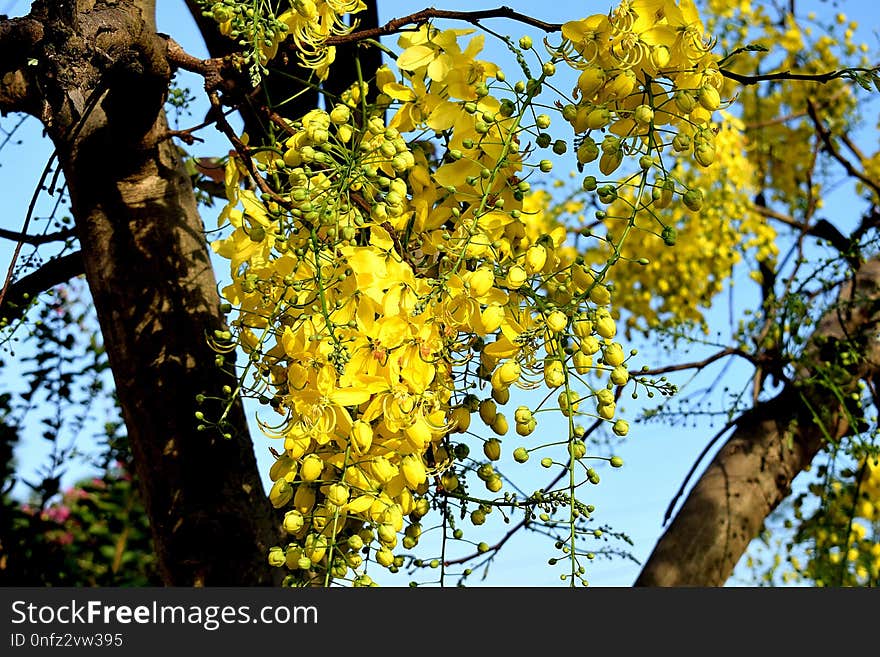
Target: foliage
<point x="95" y="533"/>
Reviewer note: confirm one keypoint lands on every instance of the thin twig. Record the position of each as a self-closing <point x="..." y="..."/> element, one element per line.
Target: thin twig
<point x="27" y="223"/>
<point x="240" y="147"/>
<point x="700" y="364"/>
<point x="821" y="78"/>
<point x="522" y="523"/>
<point x="697" y="461"/>
<point x="36" y="240"/>
<point x="825" y="136"/>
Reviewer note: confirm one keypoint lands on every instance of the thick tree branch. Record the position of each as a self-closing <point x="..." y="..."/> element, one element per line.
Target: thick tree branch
<point x="212" y="70"/>
<point x="420" y="17"/>
<point x="20" y="294"/>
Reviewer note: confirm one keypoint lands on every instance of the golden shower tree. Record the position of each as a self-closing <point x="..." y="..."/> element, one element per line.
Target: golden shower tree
<point x="400" y="261"/>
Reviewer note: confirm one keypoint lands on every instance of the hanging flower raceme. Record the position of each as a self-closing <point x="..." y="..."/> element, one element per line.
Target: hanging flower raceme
<point x="308" y="24"/>
<point x="648" y="81"/>
<point x="395" y="280"/>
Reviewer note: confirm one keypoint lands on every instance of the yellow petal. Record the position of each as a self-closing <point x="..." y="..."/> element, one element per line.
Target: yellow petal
<point x="399" y="91"/>
<point x="415" y="57"/>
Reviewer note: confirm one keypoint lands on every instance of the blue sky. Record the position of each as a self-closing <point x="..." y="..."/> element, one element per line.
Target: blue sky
<point x="632" y="499"/>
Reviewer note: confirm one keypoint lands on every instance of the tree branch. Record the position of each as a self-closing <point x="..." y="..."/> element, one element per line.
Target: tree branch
<point x="822" y="230"/>
<point x="772" y="443"/>
<point x="821" y="78"/>
<point x="700" y="364"/>
<point x="21" y="293"/>
<point x="27" y="220"/>
<point x="210" y="69"/>
<point x="419" y="17"/>
<point x="36" y="240"/>
<point x="825" y="136"/>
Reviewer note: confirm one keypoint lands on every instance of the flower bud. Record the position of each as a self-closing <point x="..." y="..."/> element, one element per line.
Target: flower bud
<point x="494" y="484"/>
<point x="605" y="325"/>
<point x="293" y="521"/>
<point x="516" y="276"/>
<point x="500" y="425"/>
<point x="709" y="97"/>
<point x="590" y="81"/>
<point x="613" y="354"/>
<point x="556" y="321"/>
<point x="361" y="436"/>
<point x="312" y="467"/>
<point x="280" y="493"/>
<point x="598" y="118"/>
<point x="684" y="101"/>
<point x="582" y="362"/>
<point x="526" y="428"/>
<point x="337" y="494"/>
<point x="536" y="258"/>
<point x="568" y="402"/>
<point x="582" y="327"/>
<point x="643" y="114"/>
<point x="554" y="373"/>
<point x="413" y="471"/>
<point x="693" y="199"/>
<point x="587" y="152"/>
<point x="492" y="449"/>
<point x="481" y="281"/>
<point x="704" y="154"/>
<point x="523" y="414"/>
<point x="488" y="411"/>
<point x="619" y="376"/>
<point x="276" y="557"/>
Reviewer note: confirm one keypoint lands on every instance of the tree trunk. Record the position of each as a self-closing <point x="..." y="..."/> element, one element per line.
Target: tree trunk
<point x="770" y="446"/>
<point x="103" y="78"/>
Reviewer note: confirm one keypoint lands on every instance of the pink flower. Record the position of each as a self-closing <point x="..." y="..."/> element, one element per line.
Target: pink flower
<point x="58" y="514"/>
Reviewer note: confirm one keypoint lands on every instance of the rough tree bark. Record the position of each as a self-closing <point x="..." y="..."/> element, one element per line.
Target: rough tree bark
<point x="770" y="446"/>
<point x="95" y="73"/>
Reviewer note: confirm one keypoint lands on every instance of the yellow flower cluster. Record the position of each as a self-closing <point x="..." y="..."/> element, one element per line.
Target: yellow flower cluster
<point x="648" y="81"/>
<point x="373" y="286"/>
<point x="395" y="279"/>
<point x="780" y="130"/>
<point x="856" y="544"/>
<point x="663" y="286"/>
<point x="308" y="23"/>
